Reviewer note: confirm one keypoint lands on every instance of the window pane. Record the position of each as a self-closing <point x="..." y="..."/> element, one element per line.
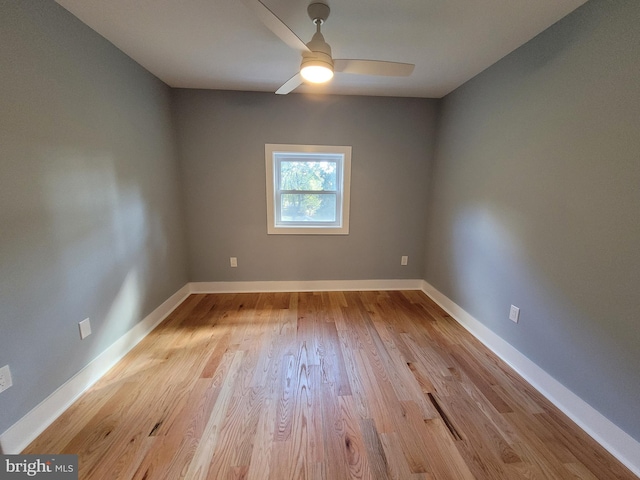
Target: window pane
<point x="305" y="175"/>
<point x="310" y="207"/>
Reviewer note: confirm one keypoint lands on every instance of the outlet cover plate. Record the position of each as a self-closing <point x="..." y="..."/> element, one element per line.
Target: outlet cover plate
<point x="5" y="378"/>
<point x="514" y="314"/>
<point x="85" y="328"/>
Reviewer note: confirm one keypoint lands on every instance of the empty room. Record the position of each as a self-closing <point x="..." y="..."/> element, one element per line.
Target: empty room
<point x="279" y="239"/>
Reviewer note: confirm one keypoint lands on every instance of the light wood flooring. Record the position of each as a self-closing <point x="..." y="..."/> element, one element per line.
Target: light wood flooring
<point x="332" y="385"/>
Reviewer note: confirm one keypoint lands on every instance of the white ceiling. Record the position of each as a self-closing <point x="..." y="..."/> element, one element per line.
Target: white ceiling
<point x="221" y="44"/>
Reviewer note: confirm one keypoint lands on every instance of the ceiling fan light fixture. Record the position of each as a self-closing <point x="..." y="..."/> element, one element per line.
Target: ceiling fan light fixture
<point x="317" y="64"/>
<point x="316" y="72"/>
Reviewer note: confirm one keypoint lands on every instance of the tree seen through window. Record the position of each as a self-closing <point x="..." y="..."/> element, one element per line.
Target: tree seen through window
<point x="308" y="190"/>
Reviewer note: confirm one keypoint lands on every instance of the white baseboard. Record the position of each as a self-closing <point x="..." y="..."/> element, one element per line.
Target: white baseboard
<point x="620" y="444"/>
<point x="25" y="430"/>
<point x="305" y="286"/>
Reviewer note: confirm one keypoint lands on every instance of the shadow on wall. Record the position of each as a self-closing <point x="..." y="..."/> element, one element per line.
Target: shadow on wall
<point x="78" y="244"/>
<point x="498" y="260"/>
<point x="100" y="227"/>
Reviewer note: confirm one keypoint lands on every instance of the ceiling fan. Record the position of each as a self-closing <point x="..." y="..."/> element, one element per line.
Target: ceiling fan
<point x="318" y="66"/>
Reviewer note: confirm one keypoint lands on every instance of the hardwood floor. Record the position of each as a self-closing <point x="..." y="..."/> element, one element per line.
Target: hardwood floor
<point x="332" y="385"/>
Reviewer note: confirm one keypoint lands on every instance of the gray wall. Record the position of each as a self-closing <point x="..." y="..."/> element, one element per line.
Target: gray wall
<point x="536" y="202"/>
<point x="90" y="224"/>
<point x="221" y="140"/>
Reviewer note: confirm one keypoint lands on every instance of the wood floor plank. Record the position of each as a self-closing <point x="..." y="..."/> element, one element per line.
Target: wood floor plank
<point x="375" y="452"/>
<point x="235" y="441"/>
<point x="353" y="442"/>
<point x="75" y="418"/>
<point x="401" y="376"/>
<point x="321" y="386"/>
<point x="303" y="449"/>
<point x="286" y="399"/>
<point x="397" y="466"/>
<point x="332" y="364"/>
<point x="335" y="463"/>
<point x="200" y="464"/>
<point x="598" y="461"/>
<point x="263" y="441"/>
<point x="174" y="450"/>
<point x="356" y="381"/>
<point x="96" y="438"/>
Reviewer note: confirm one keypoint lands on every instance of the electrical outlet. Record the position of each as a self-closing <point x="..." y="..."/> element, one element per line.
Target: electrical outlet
<point x="5" y="378"/>
<point x="404" y="260"/>
<point x="85" y="328"/>
<point x="514" y="314"/>
<point x="233" y="261"/>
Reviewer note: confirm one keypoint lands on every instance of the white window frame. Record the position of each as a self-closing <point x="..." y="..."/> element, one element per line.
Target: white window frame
<point x="343" y="191"/>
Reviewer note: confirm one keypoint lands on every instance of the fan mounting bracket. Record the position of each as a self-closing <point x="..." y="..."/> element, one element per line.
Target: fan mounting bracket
<point x="318" y="12"/>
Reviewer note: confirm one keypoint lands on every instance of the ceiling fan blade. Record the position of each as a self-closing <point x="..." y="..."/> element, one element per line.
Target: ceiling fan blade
<point x="277" y="26"/>
<point x="290" y="85"/>
<point x="373" y="67"/>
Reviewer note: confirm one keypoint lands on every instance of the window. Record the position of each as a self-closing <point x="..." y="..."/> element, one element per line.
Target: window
<point x="308" y="189"/>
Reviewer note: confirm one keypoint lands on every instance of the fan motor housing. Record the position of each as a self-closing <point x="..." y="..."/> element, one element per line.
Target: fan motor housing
<point x="316" y="57"/>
